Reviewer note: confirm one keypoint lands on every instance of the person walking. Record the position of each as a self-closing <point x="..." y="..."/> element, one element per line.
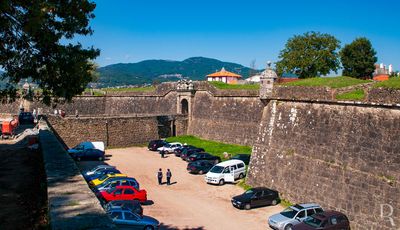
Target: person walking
<point x="159" y="176"/>
<point x="162" y="152"/>
<point x="169" y="175"/>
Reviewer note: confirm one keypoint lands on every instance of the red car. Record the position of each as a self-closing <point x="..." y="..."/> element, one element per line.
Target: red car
<point x="123" y="193"/>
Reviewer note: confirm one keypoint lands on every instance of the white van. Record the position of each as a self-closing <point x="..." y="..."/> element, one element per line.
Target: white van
<point x="227" y="171"/>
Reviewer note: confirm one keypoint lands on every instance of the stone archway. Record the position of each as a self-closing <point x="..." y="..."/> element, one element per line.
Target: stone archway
<point x="184" y="106"/>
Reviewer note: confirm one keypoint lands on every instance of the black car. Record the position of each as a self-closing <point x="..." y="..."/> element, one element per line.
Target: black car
<point x="155" y="144"/>
<point x="243" y="157"/>
<point x="203" y="156"/>
<point x="180" y="150"/>
<point x="199" y="167"/>
<point x="100" y="173"/>
<point x="131" y="205"/>
<point x="187" y="152"/>
<point x="256" y="197"/>
<point x="26" y="118"/>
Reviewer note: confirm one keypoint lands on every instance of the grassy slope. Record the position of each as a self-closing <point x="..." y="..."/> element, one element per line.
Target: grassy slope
<point x="213" y="147"/>
<point x="333" y="82"/>
<point x="393" y="83"/>
<point x="353" y="95"/>
<point x="132" y="89"/>
<point x="221" y="85"/>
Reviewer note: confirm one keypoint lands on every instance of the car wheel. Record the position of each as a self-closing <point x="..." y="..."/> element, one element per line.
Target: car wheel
<point x="247" y="207"/>
<point x="288" y="227"/>
<point x="241" y="176"/>
<point x="148" y="227"/>
<point x="201" y="172"/>
<point x="221" y="182"/>
<point x="274" y="202"/>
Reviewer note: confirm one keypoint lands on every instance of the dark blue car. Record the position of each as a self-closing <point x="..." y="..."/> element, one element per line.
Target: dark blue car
<point x="101" y="173"/>
<point x="88" y="154"/>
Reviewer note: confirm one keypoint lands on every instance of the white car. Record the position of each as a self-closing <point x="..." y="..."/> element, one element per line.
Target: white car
<point x="170" y="147"/>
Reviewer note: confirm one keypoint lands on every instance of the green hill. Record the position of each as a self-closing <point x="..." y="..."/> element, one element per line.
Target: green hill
<point x="146" y="72"/>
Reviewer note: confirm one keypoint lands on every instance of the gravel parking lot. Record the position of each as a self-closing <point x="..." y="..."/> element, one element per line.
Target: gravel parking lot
<point x="189" y="203"/>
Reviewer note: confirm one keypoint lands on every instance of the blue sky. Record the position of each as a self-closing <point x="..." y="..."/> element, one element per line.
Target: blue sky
<point x="236" y="31"/>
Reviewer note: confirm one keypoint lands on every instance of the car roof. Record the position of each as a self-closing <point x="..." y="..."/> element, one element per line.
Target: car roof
<point x="230" y="162"/>
<point x="262" y="189"/>
<point x="122" y="178"/>
<point x="306" y="205"/>
<point x="125" y="186"/>
<point x="326" y="214"/>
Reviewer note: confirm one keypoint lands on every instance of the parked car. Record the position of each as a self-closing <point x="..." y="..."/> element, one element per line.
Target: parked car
<point x="179" y="150"/>
<point x="100" y="173"/>
<point x="200" y="166"/>
<point x="131" y="205"/>
<point x="88" y="154"/>
<point x="116" y="181"/>
<point x="331" y="220"/>
<point x="256" y="197"/>
<point x="88" y="150"/>
<point x="104" y="178"/>
<point x="26" y="118"/>
<point x="155" y="144"/>
<point x="122" y="193"/>
<point x="96" y="169"/>
<point x="227" y="171"/>
<point x="170" y="147"/>
<point x="204" y="156"/>
<point x="187" y="152"/>
<point x="243" y="157"/>
<point x="126" y="217"/>
<point x="292" y="216"/>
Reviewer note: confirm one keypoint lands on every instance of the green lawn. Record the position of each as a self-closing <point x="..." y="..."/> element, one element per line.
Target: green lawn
<point x="332" y="82"/>
<point x="353" y="95"/>
<point x="393" y="83"/>
<point x="213" y="147"/>
<point x="221" y="85"/>
<point x="131" y="89"/>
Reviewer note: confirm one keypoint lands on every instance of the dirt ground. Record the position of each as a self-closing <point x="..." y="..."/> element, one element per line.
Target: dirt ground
<point x="189" y="203"/>
<point x="23" y="194"/>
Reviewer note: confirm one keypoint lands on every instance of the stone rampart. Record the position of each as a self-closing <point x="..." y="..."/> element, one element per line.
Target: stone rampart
<point x="227" y="119"/>
<point x="72" y="205"/>
<point x="344" y="157"/>
<point x="113" y="131"/>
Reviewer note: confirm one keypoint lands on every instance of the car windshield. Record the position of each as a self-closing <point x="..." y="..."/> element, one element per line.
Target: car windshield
<point x="111" y="190"/>
<point x="167" y="145"/>
<point x="250" y="191"/>
<point x="217" y="169"/>
<point x="313" y="222"/>
<point x="103" y="177"/>
<point x="289" y="212"/>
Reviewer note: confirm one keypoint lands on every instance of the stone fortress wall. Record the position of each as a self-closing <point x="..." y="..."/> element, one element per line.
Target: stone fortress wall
<point x="306" y="144"/>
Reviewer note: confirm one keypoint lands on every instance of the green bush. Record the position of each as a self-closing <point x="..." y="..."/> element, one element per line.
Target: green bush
<point x="393" y="83"/>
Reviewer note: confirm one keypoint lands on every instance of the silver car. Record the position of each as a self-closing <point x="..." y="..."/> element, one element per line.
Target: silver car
<point x="125" y="218"/>
<point x="292" y="215"/>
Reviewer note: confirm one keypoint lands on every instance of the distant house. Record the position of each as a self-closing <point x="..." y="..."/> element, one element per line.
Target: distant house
<point x="224" y="76"/>
<point x="381" y="73"/>
<point x="288" y="77"/>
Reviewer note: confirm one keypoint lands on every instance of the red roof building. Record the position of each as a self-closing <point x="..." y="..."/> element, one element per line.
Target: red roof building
<point x="224" y="76"/>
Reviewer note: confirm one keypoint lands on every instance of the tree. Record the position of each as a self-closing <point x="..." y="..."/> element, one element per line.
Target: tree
<point x="358" y="58"/>
<point x="309" y="55"/>
<point x="36" y="42"/>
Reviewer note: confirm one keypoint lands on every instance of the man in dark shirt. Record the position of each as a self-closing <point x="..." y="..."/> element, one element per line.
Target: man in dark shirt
<point x="159" y="176"/>
<point x="169" y="175"/>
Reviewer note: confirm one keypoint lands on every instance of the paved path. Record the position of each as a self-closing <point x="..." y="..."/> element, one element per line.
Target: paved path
<point x="190" y="203"/>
